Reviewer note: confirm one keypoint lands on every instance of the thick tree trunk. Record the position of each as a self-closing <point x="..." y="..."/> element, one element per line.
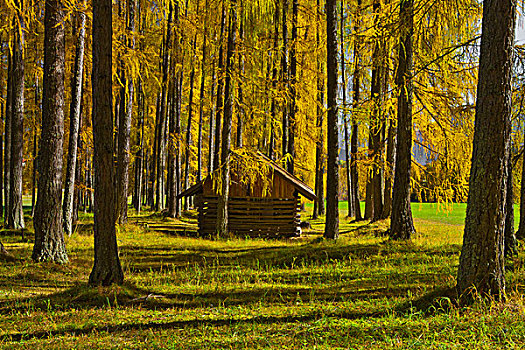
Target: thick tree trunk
<point x="401" y="225"/>
<point x="481" y="264"/>
<point x="49" y="231"/>
<point x="74" y="124"/>
<point x="332" y="177"/>
<point x="107" y="269"/>
<point x="222" y="205"/>
<point x="15" y="218"/>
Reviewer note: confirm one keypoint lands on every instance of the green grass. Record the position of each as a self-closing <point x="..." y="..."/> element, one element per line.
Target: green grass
<point x="182" y="292"/>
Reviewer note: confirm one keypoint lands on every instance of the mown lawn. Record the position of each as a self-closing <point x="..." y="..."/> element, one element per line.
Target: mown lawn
<point x="182" y="292"/>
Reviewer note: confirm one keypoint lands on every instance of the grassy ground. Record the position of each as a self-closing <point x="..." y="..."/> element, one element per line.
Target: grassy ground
<point x="181" y="292"/>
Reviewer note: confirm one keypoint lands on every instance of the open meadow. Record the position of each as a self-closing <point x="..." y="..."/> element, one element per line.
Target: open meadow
<point x="182" y="292"/>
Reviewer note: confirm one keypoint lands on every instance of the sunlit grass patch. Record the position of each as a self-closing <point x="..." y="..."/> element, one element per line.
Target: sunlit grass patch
<point x="184" y="292"/>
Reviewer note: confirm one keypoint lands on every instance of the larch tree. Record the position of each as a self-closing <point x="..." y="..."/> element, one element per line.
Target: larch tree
<point x="124" y="132"/>
<point x="356" y="97"/>
<point x="349" y="193"/>
<point x="222" y="205"/>
<point x="401" y="224"/>
<point x="319" y="208"/>
<point x="49" y="232"/>
<point x="15" y="215"/>
<point x="332" y="176"/>
<point x="481" y="264"/>
<point x="107" y="269"/>
<point x="74" y="125"/>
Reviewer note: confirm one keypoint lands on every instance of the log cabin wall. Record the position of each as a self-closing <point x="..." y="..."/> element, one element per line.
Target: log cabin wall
<point x="252" y="216"/>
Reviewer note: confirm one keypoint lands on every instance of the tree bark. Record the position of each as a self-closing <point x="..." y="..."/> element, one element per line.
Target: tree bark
<point x="354" y="174"/>
<point x="293" y="88"/>
<point x="332" y="178"/>
<point x="189" y="141"/>
<point x="7" y="128"/>
<point x="220" y="93"/>
<point x="124" y="134"/>
<point x="49" y="231"/>
<point x="401" y="225"/>
<point x="201" y="95"/>
<point x="284" y="78"/>
<point x="15" y="218"/>
<point x="222" y="205"/>
<point x="350" y="201"/>
<point x="389" y="176"/>
<point x="74" y="124"/>
<point x="107" y="269"/>
<point x="481" y="264"/>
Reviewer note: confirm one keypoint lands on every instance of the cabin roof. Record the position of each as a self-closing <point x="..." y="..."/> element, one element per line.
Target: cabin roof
<point x="300" y="186"/>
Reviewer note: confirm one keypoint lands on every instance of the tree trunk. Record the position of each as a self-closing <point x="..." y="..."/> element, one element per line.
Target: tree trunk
<point x="7" y="128"/>
<point x="481" y="264"/>
<point x="273" y="106"/>
<point x="350" y="201"/>
<point x="153" y="159"/>
<point x="74" y="124"/>
<point x="220" y="93"/>
<point x="124" y="134"/>
<point x="139" y="155"/>
<point x="293" y="90"/>
<point x="390" y="158"/>
<point x="332" y="177"/>
<point x="49" y="230"/>
<point x="15" y="218"/>
<point x="354" y="174"/>
<point x="319" y="161"/>
<point x="35" y="161"/>
<point x="240" y="114"/>
<point x="401" y="225"/>
<point x="211" y="159"/>
<point x="222" y="205"/>
<point x="201" y="96"/>
<point x="189" y="141"/>
<point x="107" y="269"/>
<point x="284" y="78"/>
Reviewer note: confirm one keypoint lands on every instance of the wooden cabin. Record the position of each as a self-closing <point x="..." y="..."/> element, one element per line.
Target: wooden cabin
<point x="263" y="203"/>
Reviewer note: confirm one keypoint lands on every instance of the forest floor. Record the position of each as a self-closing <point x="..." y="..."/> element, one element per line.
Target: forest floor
<point x="182" y="292"/>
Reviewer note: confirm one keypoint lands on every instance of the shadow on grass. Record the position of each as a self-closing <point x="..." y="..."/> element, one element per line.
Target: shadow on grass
<point x="266" y="320"/>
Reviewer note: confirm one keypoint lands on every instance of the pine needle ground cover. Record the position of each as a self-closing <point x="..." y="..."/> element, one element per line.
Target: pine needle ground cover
<point x="183" y="292"/>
